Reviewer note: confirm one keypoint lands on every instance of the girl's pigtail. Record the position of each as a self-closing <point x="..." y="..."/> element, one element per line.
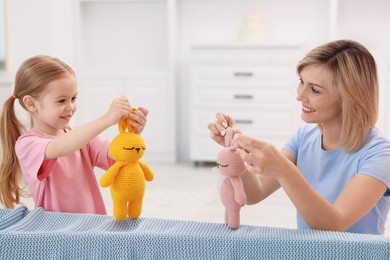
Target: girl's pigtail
<point x="10" y="173"/>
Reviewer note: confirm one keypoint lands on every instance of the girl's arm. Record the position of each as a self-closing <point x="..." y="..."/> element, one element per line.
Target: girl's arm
<point x="356" y="200"/>
<point x="80" y="136"/>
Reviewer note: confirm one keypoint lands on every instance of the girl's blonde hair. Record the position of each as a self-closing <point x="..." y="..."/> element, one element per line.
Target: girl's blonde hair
<point x="31" y="79"/>
<point x="352" y="71"/>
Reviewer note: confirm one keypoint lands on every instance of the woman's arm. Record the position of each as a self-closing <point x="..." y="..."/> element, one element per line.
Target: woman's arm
<point x="258" y="187"/>
<point x="357" y="199"/>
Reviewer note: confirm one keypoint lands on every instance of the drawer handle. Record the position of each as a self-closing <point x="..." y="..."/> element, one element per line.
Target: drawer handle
<point x="241" y="96"/>
<point x="244" y="121"/>
<point x="243" y="74"/>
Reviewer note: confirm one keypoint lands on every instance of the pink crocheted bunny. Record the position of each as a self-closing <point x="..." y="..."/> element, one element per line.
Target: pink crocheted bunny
<point x="231" y="166"/>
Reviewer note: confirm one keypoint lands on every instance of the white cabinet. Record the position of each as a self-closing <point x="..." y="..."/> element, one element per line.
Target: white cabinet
<point x="125" y="48"/>
<point x="255" y="84"/>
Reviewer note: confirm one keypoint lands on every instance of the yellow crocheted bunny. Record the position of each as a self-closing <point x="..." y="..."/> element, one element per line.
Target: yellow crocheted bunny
<point x="126" y="177"/>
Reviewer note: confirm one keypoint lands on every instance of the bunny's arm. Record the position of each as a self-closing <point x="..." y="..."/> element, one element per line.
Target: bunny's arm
<point x="239" y="193"/>
<point x="109" y="176"/>
<point x="149" y="176"/>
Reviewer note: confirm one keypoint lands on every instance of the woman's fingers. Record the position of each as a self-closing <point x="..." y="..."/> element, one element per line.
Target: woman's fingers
<point x="249" y="144"/>
<point x="215" y="134"/>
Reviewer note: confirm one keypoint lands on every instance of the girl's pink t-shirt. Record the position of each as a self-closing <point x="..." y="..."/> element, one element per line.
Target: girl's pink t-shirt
<point x="67" y="183"/>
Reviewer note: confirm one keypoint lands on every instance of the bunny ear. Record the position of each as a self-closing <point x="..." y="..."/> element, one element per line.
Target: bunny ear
<point x="228" y="136"/>
<point x="130" y="127"/>
<point x="123" y="123"/>
<point x="234" y="144"/>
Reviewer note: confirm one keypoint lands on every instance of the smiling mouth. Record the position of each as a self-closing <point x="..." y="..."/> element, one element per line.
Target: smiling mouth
<point x="305" y="109"/>
<point x="66" y="117"/>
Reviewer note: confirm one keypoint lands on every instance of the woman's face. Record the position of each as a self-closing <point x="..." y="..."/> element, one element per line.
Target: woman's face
<point x="321" y="103"/>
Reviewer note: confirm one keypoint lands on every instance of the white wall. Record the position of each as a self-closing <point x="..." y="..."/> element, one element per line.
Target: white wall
<point x="48" y="27"/>
<point x="368" y="23"/>
<point x="39" y="27"/>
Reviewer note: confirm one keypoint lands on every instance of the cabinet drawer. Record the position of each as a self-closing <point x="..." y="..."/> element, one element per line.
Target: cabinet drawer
<point x="262" y="123"/>
<point x="262" y="95"/>
<point x="242" y="73"/>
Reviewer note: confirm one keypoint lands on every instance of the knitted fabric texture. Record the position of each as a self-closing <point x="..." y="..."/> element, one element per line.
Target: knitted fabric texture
<point x="231" y="166"/>
<point x="37" y="234"/>
<point x="126" y="177"/>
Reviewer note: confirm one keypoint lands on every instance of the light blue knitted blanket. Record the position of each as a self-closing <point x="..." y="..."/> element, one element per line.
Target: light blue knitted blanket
<point x="38" y="234"/>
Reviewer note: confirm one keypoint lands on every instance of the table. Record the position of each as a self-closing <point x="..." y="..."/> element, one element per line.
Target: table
<point x="37" y="234"/>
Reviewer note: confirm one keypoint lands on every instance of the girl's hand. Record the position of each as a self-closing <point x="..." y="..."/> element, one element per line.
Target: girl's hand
<point x="119" y="108"/>
<point x="217" y="129"/>
<point x="138" y="119"/>
<point x="262" y="158"/>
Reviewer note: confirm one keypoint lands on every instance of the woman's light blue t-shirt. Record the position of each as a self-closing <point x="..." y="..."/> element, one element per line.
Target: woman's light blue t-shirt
<point x="330" y="171"/>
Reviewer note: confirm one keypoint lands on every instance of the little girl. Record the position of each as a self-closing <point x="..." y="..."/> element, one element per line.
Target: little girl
<point x="56" y="160"/>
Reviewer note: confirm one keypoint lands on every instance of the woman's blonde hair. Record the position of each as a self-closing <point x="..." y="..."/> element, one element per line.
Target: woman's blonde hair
<point x="31" y="79"/>
<point x="352" y="71"/>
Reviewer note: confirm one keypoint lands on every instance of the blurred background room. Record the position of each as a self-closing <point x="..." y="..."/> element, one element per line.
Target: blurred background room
<point x="185" y="60"/>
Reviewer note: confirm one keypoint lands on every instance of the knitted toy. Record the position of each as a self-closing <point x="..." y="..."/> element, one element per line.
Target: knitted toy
<point x="231" y="166"/>
<point x="126" y="177"/>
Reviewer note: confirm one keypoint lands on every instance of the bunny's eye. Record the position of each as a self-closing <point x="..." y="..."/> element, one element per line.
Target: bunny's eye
<point x="218" y="164"/>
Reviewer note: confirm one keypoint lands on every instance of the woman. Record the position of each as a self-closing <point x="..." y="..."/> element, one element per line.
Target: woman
<point x="335" y="168"/>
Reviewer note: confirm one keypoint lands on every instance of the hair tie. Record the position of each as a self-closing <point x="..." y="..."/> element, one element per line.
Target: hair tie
<point x="14" y="96"/>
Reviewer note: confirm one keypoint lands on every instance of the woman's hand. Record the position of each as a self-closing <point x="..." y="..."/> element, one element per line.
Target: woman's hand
<point x="262" y="158"/>
<point x="138" y="119"/>
<point x="217" y="129"/>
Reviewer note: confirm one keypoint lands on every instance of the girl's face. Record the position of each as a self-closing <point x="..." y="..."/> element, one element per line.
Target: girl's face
<point x="56" y="106"/>
<point x="321" y="103"/>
